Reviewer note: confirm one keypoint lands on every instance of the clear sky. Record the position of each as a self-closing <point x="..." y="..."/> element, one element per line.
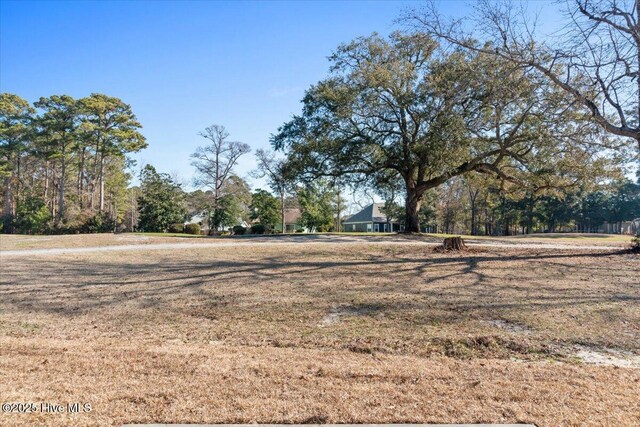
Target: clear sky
<point x="185" y="65"/>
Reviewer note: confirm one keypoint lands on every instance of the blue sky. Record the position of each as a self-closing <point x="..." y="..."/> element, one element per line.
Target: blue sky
<point x="185" y="65"/>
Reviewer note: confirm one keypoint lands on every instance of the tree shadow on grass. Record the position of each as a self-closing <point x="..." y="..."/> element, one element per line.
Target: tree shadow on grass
<point x="459" y="284"/>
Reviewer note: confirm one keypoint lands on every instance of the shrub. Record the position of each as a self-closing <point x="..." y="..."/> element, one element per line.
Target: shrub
<point x="258" y="229"/>
<point x="238" y="229"/>
<point x="177" y="228"/>
<point x="300" y="230"/>
<point x="635" y="244"/>
<point x="32" y="216"/>
<point x="98" y="223"/>
<point x="192" y="229"/>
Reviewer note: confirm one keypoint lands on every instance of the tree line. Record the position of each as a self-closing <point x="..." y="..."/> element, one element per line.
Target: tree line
<point x="63" y="161"/>
<point x="494" y="125"/>
<point x="164" y="206"/>
<point x="466" y="206"/>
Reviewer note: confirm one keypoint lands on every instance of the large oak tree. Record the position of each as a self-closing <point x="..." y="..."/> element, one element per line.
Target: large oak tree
<point x="403" y="106"/>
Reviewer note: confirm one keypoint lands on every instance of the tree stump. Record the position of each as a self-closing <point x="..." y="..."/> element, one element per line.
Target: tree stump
<point x="453" y="244"/>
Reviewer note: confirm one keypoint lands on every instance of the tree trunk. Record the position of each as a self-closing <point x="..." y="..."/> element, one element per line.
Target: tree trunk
<point x="18" y="180"/>
<point x="101" y="206"/>
<point x="94" y="176"/>
<point x="7" y="204"/>
<point x="473" y="198"/>
<point x="80" y="188"/>
<point x="46" y="182"/>
<point x="473" y="219"/>
<point x="453" y="244"/>
<point x="638" y="67"/>
<point x="412" y="206"/>
<point x="284" y="226"/>
<point x="63" y="171"/>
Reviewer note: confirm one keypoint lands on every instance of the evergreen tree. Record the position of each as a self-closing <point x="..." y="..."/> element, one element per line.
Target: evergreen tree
<point x="161" y="201"/>
<point x="264" y="209"/>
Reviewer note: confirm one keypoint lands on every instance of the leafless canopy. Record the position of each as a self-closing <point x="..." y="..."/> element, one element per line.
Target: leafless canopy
<point x="214" y="162"/>
<point x="275" y="170"/>
<point x="595" y="57"/>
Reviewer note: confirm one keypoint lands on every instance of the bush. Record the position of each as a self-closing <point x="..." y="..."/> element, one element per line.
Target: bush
<point x="32" y="216"/>
<point x="258" y="229"/>
<point x="635" y="244"/>
<point x="300" y="230"/>
<point x="238" y="229"/>
<point x="98" y="223"/>
<point x="192" y="229"/>
<point x="177" y="228"/>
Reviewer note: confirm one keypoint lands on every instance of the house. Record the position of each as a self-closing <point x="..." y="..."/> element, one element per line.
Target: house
<point x="622" y="227"/>
<point x="202" y="219"/>
<point x="292" y="221"/>
<point x="371" y="219"/>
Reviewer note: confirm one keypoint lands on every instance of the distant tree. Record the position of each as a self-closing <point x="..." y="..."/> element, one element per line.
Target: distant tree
<point x="32" y="216"/>
<point x="239" y="190"/>
<point x="392" y="210"/>
<point x="233" y="207"/>
<point x="276" y="170"/>
<point x="214" y="164"/>
<point x="264" y="209"/>
<point x="427" y="212"/>
<point x="594" y="209"/>
<point x="316" y="207"/>
<point x="58" y="128"/>
<point x="15" y="119"/>
<point x="557" y="210"/>
<point x="624" y="202"/>
<point x="227" y="213"/>
<point x="338" y="205"/>
<point x="450" y="206"/>
<point x="109" y="125"/>
<point x="130" y="221"/>
<point x="116" y="181"/>
<point x="161" y="201"/>
<point x="198" y="202"/>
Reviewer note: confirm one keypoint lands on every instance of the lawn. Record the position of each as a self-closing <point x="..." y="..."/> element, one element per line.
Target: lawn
<point x="284" y="333"/>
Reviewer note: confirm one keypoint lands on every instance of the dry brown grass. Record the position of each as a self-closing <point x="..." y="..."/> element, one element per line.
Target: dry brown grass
<point x="295" y="333"/>
<point x="22" y="241"/>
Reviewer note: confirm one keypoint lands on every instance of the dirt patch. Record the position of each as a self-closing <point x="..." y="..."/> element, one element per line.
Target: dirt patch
<point x="607" y="356"/>
<point x="337" y="313"/>
<point x="510" y="326"/>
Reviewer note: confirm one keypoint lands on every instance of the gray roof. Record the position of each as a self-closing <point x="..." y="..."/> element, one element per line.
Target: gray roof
<point x="371" y="213"/>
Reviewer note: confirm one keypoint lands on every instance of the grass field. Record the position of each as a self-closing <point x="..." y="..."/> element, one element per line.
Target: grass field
<point x="13" y="242"/>
<point x="279" y="333"/>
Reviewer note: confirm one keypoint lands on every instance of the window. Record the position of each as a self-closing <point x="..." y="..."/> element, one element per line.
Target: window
<point x="369" y="228"/>
<point x="376" y="227"/>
